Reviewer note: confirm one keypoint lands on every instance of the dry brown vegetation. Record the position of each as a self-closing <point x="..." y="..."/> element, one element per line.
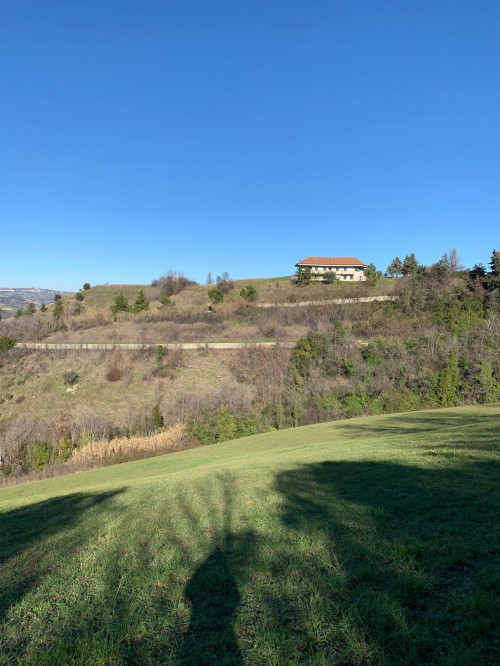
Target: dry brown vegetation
<point x="188" y="320"/>
<point x="127" y="448"/>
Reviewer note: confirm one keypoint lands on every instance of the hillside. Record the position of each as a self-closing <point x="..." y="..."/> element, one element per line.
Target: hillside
<point x="437" y="345"/>
<point x="367" y="541"/>
<point x="12" y="299"/>
<point x="186" y="318"/>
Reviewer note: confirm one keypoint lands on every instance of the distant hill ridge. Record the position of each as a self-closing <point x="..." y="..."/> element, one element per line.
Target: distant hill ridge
<point x="16" y="298"/>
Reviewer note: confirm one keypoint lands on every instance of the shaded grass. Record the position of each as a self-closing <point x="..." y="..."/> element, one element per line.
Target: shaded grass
<point x="368" y="541"/>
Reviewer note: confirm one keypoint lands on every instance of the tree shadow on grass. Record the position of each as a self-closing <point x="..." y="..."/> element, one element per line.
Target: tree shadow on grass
<point x="213" y="591"/>
<point x="156" y="585"/>
<point x="214" y="598"/>
<point x="419" y="423"/>
<point x="412" y="552"/>
<point x="34" y="538"/>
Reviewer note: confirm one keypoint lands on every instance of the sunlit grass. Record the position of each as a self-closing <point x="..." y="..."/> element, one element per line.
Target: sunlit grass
<point x="365" y="541"/>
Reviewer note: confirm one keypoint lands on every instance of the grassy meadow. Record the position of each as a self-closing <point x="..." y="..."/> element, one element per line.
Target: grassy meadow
<point x="368" y="541"/>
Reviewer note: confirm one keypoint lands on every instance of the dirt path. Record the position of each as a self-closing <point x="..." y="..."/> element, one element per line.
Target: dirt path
<point x="334" y="301"/>
<point x="89" y="346"/>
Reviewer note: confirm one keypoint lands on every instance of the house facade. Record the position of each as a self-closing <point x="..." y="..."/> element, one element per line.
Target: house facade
<point x="344" y="268"/>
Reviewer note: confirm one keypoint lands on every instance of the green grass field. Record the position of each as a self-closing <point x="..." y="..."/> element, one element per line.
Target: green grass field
<point x="369" y="541"/>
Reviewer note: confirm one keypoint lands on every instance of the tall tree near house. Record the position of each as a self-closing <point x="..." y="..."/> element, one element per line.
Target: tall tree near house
<point x="395" y="268"/>
<point x="410" y="265"/>
<point x="304" y="275"/>
<point x="372" y="275"/>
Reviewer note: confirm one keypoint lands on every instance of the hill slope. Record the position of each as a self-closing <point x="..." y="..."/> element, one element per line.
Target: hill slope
<point x="16" y="298"/>
<point x="367" y="541"/>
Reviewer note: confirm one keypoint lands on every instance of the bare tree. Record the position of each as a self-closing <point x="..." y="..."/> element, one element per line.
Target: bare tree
<point x="454" y="260"/>
<point x="209" y="278"/>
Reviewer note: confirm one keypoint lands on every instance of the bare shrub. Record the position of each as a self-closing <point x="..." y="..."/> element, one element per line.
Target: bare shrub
<point x="186" y="404"/>
<point x="173" y="282"/>
<point x="252" y="363"/>
<point x="174" y="359"/>
<point x="271" y="330"/>
<point x="70" y="377"/>
<point x="163" y="373"/>
<point x="114" y="374"/>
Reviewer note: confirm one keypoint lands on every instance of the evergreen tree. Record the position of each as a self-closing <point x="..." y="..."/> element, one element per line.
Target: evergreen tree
<point x="249" y="293"/>
<point x="43" y="308"/>
<point x="478" y="271"/>
<point x="120" y="304"/>
<point x="395" y="268"/>
<point x="141" y="303"/>
<point x="158" y="423"/>
<point x="160" y="353"/>
<point x="304" y="275"/>
<point x="215" y="295"/>
<point x="410" y="265"/>
<point x="495" y="263"/>
<point x="6" y="343"/>
<point x="86" y="286"/>
<point x="488" y="387"/>
<point x="225" y="424"/>
<point x="79" y="296"/>
<point x="58" y="310"/>
<point x="449" y="381"/>
<point x="371" y="275"/>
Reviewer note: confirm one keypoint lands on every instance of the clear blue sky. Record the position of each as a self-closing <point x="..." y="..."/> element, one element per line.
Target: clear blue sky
<point x="242" y="136"/>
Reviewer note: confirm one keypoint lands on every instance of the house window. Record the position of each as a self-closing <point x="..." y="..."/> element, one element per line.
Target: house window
<point x="337" y="268"/>
<point x="345" y="268"/>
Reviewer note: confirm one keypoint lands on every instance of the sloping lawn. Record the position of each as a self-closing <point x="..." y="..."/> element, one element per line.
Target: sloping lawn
<point x="369" y="541"/>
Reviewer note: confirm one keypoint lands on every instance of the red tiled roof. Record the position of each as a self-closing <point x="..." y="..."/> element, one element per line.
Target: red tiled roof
<point x="330" y="261"/>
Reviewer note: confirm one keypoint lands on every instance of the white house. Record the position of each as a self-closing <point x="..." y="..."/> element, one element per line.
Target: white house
<point x="344" y="268"/>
